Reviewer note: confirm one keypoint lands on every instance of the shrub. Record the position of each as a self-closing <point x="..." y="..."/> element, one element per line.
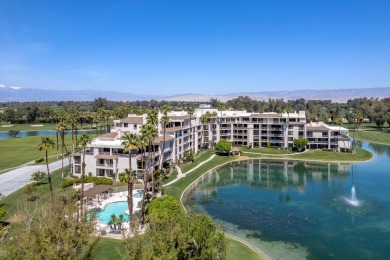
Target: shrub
<point x="39" y="160"/>
<point x="69" y="182"/>
<point x="327" y="150"/>
<point x="105" y="181"/>
<point x="268" y="144"/>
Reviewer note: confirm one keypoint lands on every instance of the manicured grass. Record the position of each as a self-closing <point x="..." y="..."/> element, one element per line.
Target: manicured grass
<point x="108" y="248"/>
<point x="185" y="167"/>
<point x="318" y="155"/>
<point x="237" y="250"/>
<point x="364" y="126"/>
<point x="28" y="127"/>
<point x="373" y="136"/>
<point x="17" y="151"/>
<point x="266" y="150"/>
<point x="170" y="177"/>
<point x="178" y="187"/>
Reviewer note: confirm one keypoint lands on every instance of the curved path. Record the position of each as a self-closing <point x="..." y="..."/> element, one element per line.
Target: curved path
<point x="182" y="175"/>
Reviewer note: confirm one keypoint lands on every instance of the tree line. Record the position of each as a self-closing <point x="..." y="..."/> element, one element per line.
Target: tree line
<point x="100" y="109"/>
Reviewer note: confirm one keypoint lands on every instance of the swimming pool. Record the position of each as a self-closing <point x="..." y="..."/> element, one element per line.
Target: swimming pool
<point x="116" y="208"/>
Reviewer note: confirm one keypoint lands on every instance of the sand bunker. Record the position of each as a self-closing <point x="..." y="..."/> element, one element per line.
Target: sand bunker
<point x="7" y="125"/>
<point x="36" y="125"/>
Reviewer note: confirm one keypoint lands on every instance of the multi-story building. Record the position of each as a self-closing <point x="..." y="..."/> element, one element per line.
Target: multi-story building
<point x="106" y="156"/>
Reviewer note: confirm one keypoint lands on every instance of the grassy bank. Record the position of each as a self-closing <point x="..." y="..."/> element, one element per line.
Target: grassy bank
<point x="185" y="167"/>
<point x="382" y="137"/>
<point x="266" y="150"/>
<point x="318" y="155"/>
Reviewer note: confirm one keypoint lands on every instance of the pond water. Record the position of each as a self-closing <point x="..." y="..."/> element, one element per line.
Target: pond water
<point x="297" y="210"/>
<point x="5" y="135"/>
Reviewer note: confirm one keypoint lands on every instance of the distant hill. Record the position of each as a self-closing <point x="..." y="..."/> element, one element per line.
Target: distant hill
<point x="336" y="95"/>
<point x="9" y="94"/>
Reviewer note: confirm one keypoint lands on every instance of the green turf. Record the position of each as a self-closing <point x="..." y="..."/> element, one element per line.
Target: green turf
<point x="266" y="150"/>
<point x="170" y="177"/>
<point x="318" y="155"/>
<point x="373" y="136"/>
<point x="237" y="250"/>
<point x="17" y="151"/>
<point x="108" y="248"/>
<point x="178" y="187"/>
<point x="185" y="167"/>
<point x="28" y="127"/>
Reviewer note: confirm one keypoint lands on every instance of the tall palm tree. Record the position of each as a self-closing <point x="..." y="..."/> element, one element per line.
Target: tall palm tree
<point x="142" y="143"/>
<point x="150" y="132"/>
<point x="164" y="122"/>
<point x="83" y="142"/>
<point x="190" y="111"/>
<point x="72" y="117"/>
<point x="61" y="128"/>
<point x="46" y="144"/>
<point x="152" y="119"/>
<point x="131" y="142"/>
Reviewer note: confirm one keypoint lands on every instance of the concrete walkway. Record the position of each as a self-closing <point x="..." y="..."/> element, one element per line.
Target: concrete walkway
<point x="182" y="175"/>
<point x="16" y="179"/>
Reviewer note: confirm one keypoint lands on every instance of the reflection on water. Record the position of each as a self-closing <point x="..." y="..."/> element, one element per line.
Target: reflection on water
<point x="294" y="209"/>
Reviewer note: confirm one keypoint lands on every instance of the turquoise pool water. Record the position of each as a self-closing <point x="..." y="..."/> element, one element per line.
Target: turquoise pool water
<point x="300" y="210"/>
<point x="116" y="208"/>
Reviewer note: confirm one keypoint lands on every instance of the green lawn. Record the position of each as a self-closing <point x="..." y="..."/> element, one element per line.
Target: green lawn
<point x="318" y="155"/>
<point x="108" y="248"/>
<point x="27" y="127"/>
<point x="170" y="177"/>
<point x="178" y="187"/>
<point x="266" y="150"/>
<point x="17" y="151"/>
<point x="373" y="136"/>
<point x="185" y="167"/>
<point x="237" y="250"/>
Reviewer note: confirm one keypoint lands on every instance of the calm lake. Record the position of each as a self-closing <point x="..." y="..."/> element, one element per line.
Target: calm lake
<point x="302" y="210"/>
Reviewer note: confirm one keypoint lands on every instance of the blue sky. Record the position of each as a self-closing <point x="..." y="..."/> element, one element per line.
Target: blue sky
<point x="205" y="47"/>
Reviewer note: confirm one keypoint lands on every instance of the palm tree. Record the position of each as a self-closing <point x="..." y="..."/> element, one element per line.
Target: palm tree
<point x="150" y="132"/>
<point x="72" y="118"/>
<point x="221" y="107"/>
<point x="164" y="121"/>
<point x="46" y="144"/>
<point x="61" y="128"/>
<point x="130" y="141"/>
<point x="142" y="143"/>
<point x="152" y="119"/>
<point x="190" y="111"/>
<point x="83" y="142"/>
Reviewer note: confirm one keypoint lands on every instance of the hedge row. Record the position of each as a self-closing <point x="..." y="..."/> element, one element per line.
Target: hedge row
<point x="88" y="179"/>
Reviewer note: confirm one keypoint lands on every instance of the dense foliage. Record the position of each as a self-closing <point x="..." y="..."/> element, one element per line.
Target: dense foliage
<point x="50" y="231"/>
<point x="300" y="143"/>
<point x="223" y="146"/>
<point x="174" y="234"/>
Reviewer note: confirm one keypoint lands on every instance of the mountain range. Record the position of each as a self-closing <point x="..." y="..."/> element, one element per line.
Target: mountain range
<point x="12" y="94"/>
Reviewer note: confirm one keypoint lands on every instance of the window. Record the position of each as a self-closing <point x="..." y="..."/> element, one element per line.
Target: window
<point x="135" y="127"/>
<point x="77" y="169"/>
<point x="290" y="132"/>
<point x="125" y="125"/>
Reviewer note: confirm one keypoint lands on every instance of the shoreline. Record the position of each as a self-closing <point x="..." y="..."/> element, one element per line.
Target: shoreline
<point x="259" y="251"/>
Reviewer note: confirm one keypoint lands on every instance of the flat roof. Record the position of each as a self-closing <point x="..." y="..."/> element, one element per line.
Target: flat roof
<point x="106" y="156"/>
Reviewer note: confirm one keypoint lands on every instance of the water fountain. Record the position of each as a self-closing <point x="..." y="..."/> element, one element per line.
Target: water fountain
<point x="353" y="201"/>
